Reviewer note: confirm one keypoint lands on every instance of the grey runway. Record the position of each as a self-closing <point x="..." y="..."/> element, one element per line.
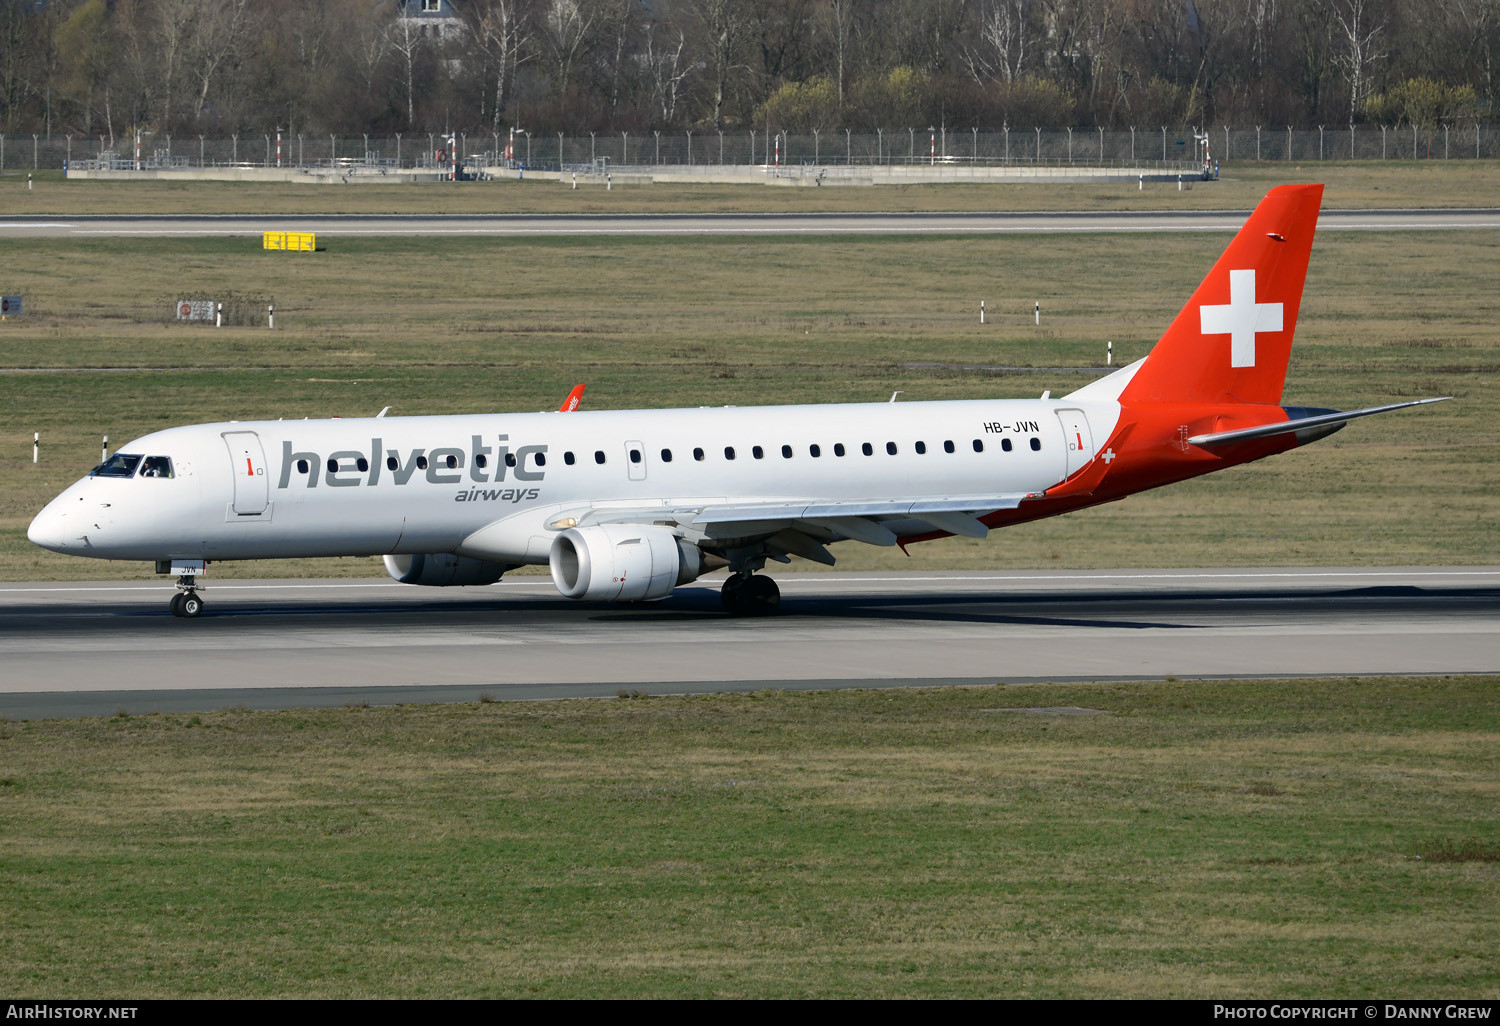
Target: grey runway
<point x="91" y="649"/>
<point x="1065" y="222"/>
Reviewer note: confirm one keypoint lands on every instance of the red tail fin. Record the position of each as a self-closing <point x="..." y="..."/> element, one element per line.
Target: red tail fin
<point x="1232" y="340"/>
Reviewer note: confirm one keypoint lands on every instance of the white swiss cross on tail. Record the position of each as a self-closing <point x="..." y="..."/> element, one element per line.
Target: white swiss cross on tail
<point x="1241" y="318"/>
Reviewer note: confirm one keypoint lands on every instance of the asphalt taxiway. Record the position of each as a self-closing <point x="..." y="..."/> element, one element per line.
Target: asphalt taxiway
<point x="78" y="649"/>
<point x="1064" y="222"/>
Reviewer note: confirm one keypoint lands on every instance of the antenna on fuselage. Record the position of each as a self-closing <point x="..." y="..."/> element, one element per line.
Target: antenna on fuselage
<point x="382" y="413"/>
<point x="896" y="393"/>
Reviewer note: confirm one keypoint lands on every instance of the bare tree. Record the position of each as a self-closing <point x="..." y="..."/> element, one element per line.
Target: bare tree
<point x="405" y="37"/>
<point x="1001" y="41"/>
<point x="219" y="42"/>
<point x="1478" y="27"/>
<point x="1358" y="32"/>
<point x="838" y="21"/>
<point x="499" y="30"/>
<point x="723" y="29"/>
<point x="567" y="25"/>
<point x="667" y="69"/>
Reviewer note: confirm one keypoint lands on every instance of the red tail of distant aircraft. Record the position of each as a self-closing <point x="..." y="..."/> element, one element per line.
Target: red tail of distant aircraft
<point x="571" y="402"/>
<point x="627" y="505"/>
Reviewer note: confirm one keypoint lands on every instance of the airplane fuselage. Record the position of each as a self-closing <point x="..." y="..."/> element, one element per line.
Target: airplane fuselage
<point x="305" y="488"/>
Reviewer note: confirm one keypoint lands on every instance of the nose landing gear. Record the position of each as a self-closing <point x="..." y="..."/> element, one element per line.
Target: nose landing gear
<point x="186" y="602"/>
<point x="746" y="594"/>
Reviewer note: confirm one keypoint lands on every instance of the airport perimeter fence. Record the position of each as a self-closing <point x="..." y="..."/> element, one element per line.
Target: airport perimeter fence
<point x="1173" y="148"/>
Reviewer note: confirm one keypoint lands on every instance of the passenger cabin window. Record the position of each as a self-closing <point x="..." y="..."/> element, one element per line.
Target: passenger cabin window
<point x="599" y="456"/>
<point x="118" y="465"/>
<point x="302" y="467"/>
<point x="568" y="458"/>
<point x="758" y="452"/>
<point x="635" y="455"/>
<point x="157" y="466"/>
<point x="979" y="445"/>
<point x="421" y="462"/>
<point x="838" y="448"/>
<point x="921" y="448"/>
<point x="867" y="449"/>
<point x="452" y="462"/>
<point x="698" y="455"/>
<point x="729" y="452"/>
<point x="510" y="459"/>
<point x="786" y="452"/>
<point x="890" y="448"/>
<point x="1005" y="444"/>
<point x="666" y="455"/>
<point x="391" y="463"/>
<point x="481" y="460"/>
<point x="1036" y="445"/>
<point x="948" y="445"/>
<point x="363" y="464"/>
<point x="814" y="450"/>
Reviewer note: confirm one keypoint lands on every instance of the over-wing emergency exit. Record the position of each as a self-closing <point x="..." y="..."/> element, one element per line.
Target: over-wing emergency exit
<point x="628" y="505"/>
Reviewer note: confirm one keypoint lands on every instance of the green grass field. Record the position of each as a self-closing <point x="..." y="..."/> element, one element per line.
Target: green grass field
<point x="466" y="325"/>
<point x="1315" y="838"/>
<point x="1460" y="183"/>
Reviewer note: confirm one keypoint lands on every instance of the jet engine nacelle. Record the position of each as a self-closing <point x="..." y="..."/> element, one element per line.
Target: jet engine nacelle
<point x="622" y="562"/>
<point x="443" y="569"/>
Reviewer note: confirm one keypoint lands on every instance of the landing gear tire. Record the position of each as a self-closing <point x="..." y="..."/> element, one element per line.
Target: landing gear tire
<point x="190" y="606"/>
<point x="749" y="595"/>
<point x="177" y="604"/>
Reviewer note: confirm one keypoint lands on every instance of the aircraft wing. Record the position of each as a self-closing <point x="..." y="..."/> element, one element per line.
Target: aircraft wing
<point x="803" y="525"/>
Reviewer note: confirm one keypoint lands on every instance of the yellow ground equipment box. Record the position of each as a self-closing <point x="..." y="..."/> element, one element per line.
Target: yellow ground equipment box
<point x="305" y="242"/>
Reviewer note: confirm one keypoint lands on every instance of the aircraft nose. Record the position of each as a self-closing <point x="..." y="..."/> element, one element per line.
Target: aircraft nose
<point x="47" y="529"/>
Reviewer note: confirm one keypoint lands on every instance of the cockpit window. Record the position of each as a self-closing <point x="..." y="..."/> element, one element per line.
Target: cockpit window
<point x="157" y="466"/>
<point x="118" y="465"/>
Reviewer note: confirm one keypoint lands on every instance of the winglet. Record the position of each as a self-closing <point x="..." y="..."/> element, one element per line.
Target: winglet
<point x="571" y="402"/>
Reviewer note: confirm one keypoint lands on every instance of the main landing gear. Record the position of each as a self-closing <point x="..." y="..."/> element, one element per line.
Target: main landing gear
<point x="186" y="602"/>
<point x="746" y="594"/>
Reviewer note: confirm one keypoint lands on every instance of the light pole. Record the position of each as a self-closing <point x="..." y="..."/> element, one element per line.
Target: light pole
<point x="815" y="145"/>
<point x="879" y="145"/>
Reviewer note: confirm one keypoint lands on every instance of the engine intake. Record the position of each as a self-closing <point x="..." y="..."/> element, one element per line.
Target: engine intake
<point x="622" y="562"/>
<point x="444" y="569"/>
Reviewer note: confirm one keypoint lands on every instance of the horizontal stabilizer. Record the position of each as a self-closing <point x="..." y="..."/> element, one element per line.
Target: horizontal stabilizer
<point x="1331" y="421"/>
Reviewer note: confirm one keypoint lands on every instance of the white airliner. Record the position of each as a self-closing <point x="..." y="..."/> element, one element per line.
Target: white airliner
<point x="627" y="505"/>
